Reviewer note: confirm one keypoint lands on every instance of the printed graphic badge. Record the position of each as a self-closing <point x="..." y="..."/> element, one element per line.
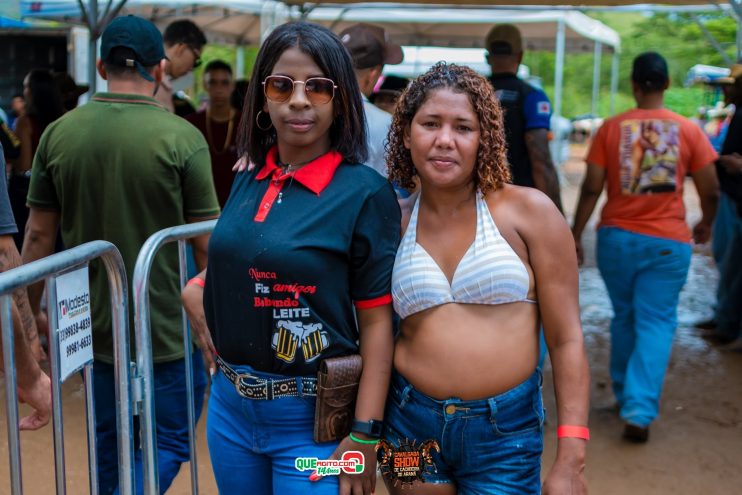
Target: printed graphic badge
<point x="351" y="462"/>
<point x="407" y="463"/>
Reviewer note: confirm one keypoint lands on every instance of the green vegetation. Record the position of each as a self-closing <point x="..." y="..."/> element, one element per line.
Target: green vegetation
<point x="677" y="37"/>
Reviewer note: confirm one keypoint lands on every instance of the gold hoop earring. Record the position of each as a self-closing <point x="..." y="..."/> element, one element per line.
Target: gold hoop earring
<point x="257" y="122"/>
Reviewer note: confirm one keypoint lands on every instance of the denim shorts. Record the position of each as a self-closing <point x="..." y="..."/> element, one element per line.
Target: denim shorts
<point x="488" y="446"/>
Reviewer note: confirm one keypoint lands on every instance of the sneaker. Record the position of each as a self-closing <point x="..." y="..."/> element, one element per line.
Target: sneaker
<point x="635" y="433"/>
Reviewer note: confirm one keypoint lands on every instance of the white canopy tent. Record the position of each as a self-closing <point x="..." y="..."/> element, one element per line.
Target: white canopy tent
<point x="231" y="21"/>
<point x="245" y="21"/>
<point x="552" y="30"/>
<point x="240" y="22"/>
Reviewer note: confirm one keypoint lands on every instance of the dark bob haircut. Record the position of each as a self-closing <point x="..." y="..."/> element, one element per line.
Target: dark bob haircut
<point x="46" y="103"/>
<point x="348" y="130"/>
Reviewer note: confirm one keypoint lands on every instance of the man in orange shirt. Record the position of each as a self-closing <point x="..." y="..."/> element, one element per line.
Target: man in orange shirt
<point x="644" y="247"/>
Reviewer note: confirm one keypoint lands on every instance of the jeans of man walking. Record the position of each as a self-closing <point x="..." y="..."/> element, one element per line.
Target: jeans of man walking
<point x="644" y="275"/>
<point x="723" y="231"/>
<point x="171" y="421"/>
<point x="729" y="306"/>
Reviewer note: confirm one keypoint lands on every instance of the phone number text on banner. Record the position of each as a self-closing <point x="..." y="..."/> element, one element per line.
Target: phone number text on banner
<point x="74" y="329"/>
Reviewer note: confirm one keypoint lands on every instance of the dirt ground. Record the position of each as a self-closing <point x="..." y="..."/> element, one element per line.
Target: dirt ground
<point x="695" y="446"/>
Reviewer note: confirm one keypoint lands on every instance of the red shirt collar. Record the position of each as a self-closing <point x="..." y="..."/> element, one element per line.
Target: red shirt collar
<point x="315" y="175"/>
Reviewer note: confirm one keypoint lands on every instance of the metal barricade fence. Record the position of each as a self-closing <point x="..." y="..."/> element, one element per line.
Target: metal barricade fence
<point x="49" y="269"/>
<point x="144" y="379"/>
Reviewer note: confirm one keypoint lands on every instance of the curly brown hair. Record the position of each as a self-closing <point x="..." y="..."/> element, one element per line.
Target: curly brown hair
<point x="491" y="170"/>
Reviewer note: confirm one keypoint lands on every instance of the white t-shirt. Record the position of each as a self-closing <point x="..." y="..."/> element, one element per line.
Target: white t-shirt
<point x="377" y="124"/>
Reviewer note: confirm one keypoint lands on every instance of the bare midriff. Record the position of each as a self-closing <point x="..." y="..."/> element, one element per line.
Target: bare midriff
<point x="469" y="351"/>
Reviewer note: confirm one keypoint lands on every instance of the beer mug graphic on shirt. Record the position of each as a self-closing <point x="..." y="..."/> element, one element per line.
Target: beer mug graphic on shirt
<point x="313" y="342"/>
<point x="286" y="340"/>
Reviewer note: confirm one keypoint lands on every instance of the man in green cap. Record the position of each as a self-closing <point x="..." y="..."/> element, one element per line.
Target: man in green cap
<point x="121" y="168"/>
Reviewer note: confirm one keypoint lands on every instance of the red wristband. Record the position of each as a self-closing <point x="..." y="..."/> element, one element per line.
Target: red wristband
<point x="197" y="281"/>
<point x="570" y="431"/>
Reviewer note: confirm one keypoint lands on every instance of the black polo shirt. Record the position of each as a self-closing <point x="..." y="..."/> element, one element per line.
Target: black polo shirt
<point x="290" y="257"/>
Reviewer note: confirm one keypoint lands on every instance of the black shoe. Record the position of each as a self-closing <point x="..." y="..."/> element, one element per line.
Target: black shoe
<point x="636" y="434"/>
<point x="707" y="325"/>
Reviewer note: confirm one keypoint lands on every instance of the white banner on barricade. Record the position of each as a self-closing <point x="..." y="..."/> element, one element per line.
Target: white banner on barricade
<point x="74" y="329"/>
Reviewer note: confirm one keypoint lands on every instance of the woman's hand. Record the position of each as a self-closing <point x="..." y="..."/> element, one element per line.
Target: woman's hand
<point x="242" y="164"/>
<point x="580" y="252"/>
<point x="363" y="483"/>
<point x="566" y="478"/>
<point x="701" y="233"/>
<point x="193" y="303"/>
<point x="732" y="163"/>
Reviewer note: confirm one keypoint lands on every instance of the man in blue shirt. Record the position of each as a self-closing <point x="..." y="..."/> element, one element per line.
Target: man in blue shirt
<point x="527" y="114"/>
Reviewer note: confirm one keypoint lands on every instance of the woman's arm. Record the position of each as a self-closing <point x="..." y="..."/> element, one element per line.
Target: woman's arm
<point x="707" y="185"/>
<point x="377" y="348"/>
<point x="552" y="256"/>
<point x="592" y="186"/>
<point x="192" y="297"/>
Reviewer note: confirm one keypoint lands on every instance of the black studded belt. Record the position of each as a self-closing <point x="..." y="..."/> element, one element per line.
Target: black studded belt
<point x="253" y="387"/>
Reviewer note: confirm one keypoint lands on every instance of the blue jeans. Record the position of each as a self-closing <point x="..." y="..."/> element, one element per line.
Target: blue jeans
<point x="724" y="226"/>
<point x="644" y="276"/>
<point x="253" y="443"/>
<point x="726" y="216"/>
<point x="729" y="307"/>
<point x="488" y="446"/>
<point x="542" y="349"/>
<point x="171" y="421"/>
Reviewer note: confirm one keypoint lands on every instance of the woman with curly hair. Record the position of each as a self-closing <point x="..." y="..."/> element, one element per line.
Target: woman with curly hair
<point x="481" y="266"/>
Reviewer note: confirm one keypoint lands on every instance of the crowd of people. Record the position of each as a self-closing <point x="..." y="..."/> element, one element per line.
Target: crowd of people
<point x="417" y="224"/>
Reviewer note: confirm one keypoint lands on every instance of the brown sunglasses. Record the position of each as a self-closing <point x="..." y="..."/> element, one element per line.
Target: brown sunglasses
<point x="318" y="90"/>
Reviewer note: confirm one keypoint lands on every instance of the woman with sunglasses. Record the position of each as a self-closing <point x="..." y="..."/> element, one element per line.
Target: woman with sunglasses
<point x="482" y="264"/>
<point x="299" y="271"/>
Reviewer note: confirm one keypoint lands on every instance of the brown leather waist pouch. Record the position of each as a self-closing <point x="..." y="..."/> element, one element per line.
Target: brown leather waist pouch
<point x="337" y="387"/>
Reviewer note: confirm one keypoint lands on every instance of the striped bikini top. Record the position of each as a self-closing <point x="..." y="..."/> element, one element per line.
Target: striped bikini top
<point x="489" y="273"/>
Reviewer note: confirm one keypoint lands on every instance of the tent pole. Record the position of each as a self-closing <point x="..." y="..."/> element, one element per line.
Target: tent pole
<point x="240" y="64"/>
<point x="614" y="81"/>
<point x="272" y="14"/>
<point x="596" y="77"/>
<point x="559" y="68"/>
<point x="737" y="15"/>
<point x="92" y="45"/>
<point x="712" y="41"/>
